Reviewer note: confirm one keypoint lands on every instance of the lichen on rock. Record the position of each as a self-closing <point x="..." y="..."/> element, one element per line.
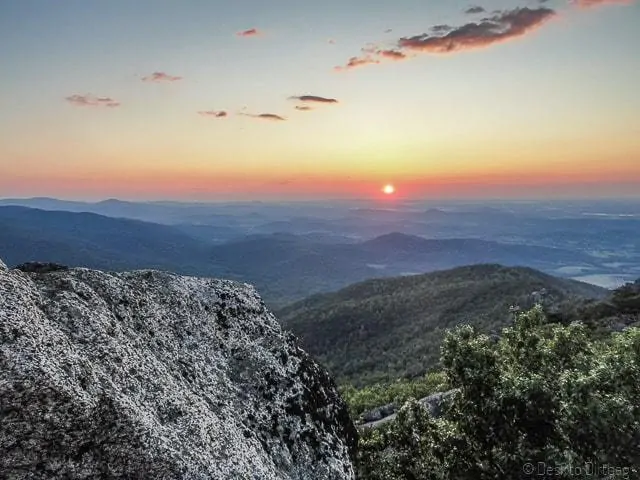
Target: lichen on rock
<point x="152" y="375"/>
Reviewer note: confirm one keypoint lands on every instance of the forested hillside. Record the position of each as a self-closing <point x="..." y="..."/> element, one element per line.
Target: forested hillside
<point x="383" y="329"/>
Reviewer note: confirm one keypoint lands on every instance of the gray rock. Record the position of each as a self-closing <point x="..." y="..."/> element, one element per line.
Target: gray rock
<point x="379" y="413"/>
<point x="39" y="267"/>
<point x="2" y="265"/>
<point x="433" y="403"/>
<point x="147" y="375"/>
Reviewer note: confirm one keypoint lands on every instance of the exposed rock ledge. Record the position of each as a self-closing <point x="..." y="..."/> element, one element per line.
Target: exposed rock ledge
<point x="434" y="403"/>
<point x="156" y="376"/>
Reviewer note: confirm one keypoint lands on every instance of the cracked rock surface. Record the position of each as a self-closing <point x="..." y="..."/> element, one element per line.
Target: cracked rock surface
<point x="157" y="376"/>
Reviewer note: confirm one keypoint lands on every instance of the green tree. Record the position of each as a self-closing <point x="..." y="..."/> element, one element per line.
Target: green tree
<point x="546" y="395"/>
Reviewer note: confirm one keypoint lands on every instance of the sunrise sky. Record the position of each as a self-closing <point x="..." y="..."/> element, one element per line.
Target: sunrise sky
<point x="202" y="100"/>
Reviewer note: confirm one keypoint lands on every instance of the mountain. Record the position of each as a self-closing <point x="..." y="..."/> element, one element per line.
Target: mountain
<point x="152" y="375"/>
<point x="382" y="329"/>
<point x="289" y="267"/>
<point x="95" y="241"/>
<point x="283" y="266"/>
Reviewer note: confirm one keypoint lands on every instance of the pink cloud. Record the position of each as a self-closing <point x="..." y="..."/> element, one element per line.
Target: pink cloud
<point x="499" y="28"/>
<point x="355" y="62"/>
<point x="252" y="32"/>
<point x="595" y="3"/>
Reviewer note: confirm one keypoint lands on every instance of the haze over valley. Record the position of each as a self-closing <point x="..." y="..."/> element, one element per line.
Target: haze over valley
<point x="294" y="250"/>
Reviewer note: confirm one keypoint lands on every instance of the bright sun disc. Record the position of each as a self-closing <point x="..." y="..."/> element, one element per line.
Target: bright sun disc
<point x="388" y="189"/>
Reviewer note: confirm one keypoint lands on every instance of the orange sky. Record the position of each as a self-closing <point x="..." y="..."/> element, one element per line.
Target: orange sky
<point x="107" y="101"/>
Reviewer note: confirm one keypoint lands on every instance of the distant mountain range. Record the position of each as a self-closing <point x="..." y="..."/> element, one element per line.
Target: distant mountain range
<point x="285" y="267"/>
<point x="96" y="241"/>
<point x="383" y="329"/>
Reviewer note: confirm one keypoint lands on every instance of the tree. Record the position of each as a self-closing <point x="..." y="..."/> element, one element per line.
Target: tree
<point x="543" y="401"/>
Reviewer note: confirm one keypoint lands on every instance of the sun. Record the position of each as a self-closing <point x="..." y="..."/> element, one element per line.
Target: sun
<point x="389" y="189"/>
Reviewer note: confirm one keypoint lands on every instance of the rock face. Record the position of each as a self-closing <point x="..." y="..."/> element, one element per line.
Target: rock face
<point x="434" y="403"/>
<point x="147" y="375"/>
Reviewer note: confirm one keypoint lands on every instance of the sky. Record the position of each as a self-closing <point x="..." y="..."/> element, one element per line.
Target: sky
<point x="249" y="99"/>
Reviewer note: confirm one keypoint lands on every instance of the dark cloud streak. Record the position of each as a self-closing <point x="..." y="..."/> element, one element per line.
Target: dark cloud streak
<point x="214" y="113"/>
<point x="499" y="28"/>
<point x="265" y="116"/>
<point x="159" y="77"/>
<point x="474" y="9"/>
<point x="314" y="99"/>
<point x="252" y="32"/>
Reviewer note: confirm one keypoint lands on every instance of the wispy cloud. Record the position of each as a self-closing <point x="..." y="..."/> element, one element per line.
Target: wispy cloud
<point x="501" y="27"/>
<point x="265" y="116"/>
<point x="474" y="9"/>
<point x="314" y="99"/>
<point x="213" y="113"/>
<point x="252" y="32"/>
<point x="89" y="100"/>
<point x="355" y="62"/>
<point x="303" y="108"/>
<point x="373" y="56"/>
<point x="595" y="3"/>
<point x="161" y="77"/>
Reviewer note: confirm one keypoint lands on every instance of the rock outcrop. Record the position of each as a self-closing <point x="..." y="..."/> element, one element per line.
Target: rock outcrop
<point x="434" y="403"/>
<point x="156" y="376"/>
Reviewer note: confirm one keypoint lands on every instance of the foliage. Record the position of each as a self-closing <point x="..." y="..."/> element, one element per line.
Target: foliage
<point x="380" y="330"/>
<point x="398" y="392"/>
<point x="547" y="397"/>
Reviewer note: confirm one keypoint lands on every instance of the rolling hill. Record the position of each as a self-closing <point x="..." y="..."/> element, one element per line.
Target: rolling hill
<point x="284" y="267"/>
<point x="382" y="329"/>
<point x="96" y="241"/>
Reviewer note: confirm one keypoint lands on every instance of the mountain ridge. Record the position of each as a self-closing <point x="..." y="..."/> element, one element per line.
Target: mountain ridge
<point x="393" y="326"/>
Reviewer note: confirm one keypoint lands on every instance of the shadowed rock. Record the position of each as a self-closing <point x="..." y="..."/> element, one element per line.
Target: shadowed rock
<point x="151" y="375"/>
<point x="38" y="267"/>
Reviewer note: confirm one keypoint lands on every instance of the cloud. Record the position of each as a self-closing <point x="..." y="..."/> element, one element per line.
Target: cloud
<point x="373" y="56"/>
<point x="392" y="54"/>
<point x="473" y="9"/>
<point x="213" y="113"/>
<point x="265" y="116"/>
<point x="159" y="77"/>
<point x="441" y="28"/>
<point x="331" y="41"/>
<point x="499" y="28"/>
<point x="596" y="3"/>
<point x="304" y="108"/>
<point x="314" y="99"/>
<point x="89" y="100"/>
<point x="252" y="32"/>
<point x="355" y="62"/>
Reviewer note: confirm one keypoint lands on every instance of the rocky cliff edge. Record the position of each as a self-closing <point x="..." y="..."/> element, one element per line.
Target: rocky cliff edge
<point x="152" y="375"/>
